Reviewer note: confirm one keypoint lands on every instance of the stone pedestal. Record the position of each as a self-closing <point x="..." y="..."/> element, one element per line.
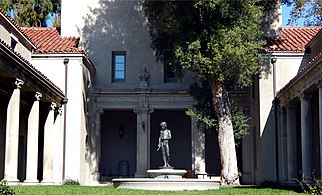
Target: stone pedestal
<point x="166" y="173"/>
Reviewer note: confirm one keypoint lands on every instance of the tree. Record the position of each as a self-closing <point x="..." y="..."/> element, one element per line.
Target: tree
<point x="31" y="12"/>
<point x="220" y="41"/>
<point x="310" y="10"/>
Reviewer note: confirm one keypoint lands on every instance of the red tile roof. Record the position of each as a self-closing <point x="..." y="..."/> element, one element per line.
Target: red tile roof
<point x="293" y="39"/>
<point x="48" y="40"/>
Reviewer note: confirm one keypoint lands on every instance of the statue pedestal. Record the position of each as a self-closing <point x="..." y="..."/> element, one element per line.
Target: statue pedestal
<point x="166" y="173"/>
<point x="165" y="179"/>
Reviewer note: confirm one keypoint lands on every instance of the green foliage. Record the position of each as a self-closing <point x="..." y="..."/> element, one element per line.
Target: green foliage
<point x="202" y="109"/>
<point x="217" y="38"/>
<point x="5" y="189"/>
<point x="206" y="117"/>
<point x="31" y="12"/>
<point x="220" y="41"/>
<point x="71" y="182"/>
<point x="309" y="188"/>
<point x="240" y="122"/>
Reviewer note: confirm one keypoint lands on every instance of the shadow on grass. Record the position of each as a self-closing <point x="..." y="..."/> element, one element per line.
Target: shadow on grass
<point x="273" y="185"/>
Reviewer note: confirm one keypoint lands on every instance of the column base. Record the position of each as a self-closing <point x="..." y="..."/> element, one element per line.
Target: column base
<point x="141" y="175"/>
<point x="31" y="181"/>
<point x="11" y="180"/>
<point x="95" y="177"/>
<point x="48" y="181"/>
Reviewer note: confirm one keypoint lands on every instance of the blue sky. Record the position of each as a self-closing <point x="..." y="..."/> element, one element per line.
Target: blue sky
<point x="286" y="15"/>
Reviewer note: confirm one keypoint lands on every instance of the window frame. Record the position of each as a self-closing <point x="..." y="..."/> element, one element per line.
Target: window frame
<point x="114" y="63"/>
<point x="167" y="69"/>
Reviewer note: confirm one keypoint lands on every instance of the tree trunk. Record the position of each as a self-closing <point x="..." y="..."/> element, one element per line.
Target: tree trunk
<point x="221" y="105"/>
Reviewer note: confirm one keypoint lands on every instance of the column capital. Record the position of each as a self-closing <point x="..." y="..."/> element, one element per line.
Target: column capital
<point x="53" y="105"/>
<point x="19" y="83"/>
<point x="143" y="110"/>
<point x="98" y="110"/>
<point x="282" y="109"/>
<point x="60" y="111"/>
<point x="305" y="96"/>
<point x="290" y="105"/>
<point x="319" y="83"/>
<point x="38" y="96"/>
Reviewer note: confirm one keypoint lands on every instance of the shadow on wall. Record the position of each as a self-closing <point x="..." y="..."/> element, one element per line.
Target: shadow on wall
<point x="115" y="26"/>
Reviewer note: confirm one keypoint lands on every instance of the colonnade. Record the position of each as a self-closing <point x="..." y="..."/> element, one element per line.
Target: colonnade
<point x="12" y="139"/>
<point x="291" y="166"/>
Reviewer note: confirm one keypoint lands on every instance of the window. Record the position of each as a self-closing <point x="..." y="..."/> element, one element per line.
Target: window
<point x="169" y="69"/>
<point x="13" y="42"/>
<point x="169" y="73"/>
<point x="118" y="63"/>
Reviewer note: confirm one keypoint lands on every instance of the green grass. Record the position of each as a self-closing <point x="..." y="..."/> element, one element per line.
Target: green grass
<point x="99" y="190"/>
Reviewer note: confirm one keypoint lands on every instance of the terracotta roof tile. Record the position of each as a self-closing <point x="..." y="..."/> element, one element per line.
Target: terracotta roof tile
<point x="30" y="65"/>
<point x="14" y="23"/>
<point x="293" y="39"/>
<point x="48" y="40"/>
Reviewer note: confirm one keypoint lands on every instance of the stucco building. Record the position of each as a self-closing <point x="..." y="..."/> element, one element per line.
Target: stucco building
<point x="101" y="97"/>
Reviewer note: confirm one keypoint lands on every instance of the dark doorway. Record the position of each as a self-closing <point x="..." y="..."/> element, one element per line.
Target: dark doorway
<point x="180" y="145"/>
<point x="118" y="143"/>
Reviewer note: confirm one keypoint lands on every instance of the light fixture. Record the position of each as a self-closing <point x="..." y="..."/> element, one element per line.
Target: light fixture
<point x="121" y="130"/>
<point x="143" y="124"/>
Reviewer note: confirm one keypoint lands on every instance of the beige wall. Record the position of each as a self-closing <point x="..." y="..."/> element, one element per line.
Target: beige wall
<point x="8" y="32"/>
<point x="110" y="26"/>
<point x="287" y="66"/>
<point x="78" y="92"/>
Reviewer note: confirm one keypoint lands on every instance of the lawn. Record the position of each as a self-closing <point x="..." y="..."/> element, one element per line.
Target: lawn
<point x="99" y="190"/>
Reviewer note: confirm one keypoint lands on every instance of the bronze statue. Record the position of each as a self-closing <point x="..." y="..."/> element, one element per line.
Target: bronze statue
<point x="165" y="136"/>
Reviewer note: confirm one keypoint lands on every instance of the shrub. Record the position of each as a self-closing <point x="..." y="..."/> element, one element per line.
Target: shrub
<point x="309" y="188"/>
<point x="5" y="189"/>
<point x="71" y="182"/>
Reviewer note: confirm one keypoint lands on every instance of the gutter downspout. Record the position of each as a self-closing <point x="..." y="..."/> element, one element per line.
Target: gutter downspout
<point x="275" y="103"/>
<point x="66" y="61"/>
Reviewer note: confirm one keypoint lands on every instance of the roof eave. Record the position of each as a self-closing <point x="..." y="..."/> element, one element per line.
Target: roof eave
<point x="32" y="72"/>
<point x="18" y="30"/>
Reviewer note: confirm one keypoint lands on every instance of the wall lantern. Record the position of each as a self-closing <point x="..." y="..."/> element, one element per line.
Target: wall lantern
<point x="143" y="124"/>
<point x="121" y="131"/>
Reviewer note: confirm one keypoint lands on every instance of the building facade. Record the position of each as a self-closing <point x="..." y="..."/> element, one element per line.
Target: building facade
<point x="90" y="108"/>
<point x="132" y="92"/>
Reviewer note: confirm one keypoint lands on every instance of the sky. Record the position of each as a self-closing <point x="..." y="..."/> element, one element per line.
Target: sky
<point x="286" y="15"/>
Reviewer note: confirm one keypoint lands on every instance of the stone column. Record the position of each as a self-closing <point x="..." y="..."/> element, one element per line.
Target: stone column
<point x="292" y="165"/>
<point x="48" y="176"/>
<point x="143" y="141"/>
<point x="12" y="134"/>
<point x="32" y="142"/>
<point x="198" y="149"/>
<point x="96" y="146"/>
<point x="306" y="136"/>
<point x="58" y="147"/>
<point x="319" y="85"/>
<point x="283" y="144"/>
